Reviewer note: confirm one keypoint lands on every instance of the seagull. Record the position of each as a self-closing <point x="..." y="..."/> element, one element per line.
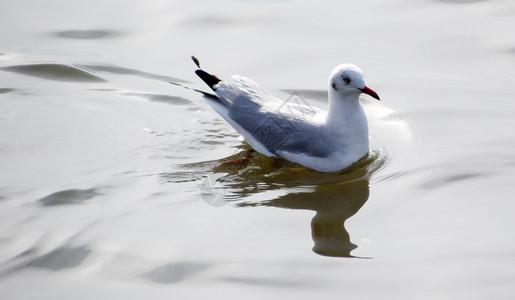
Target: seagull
<point x="325" y="141"/>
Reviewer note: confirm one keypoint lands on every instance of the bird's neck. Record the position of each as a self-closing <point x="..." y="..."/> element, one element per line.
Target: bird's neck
<point x="344" y="111"/>
<point x="347" y="124"/>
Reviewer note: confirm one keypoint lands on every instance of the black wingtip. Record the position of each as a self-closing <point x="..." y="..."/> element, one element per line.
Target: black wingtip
<point x="195" y="60"/>
<point x="209" y="79"/>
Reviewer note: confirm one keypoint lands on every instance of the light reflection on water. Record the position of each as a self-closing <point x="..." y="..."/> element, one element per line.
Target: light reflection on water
<point x="334" y="197"/>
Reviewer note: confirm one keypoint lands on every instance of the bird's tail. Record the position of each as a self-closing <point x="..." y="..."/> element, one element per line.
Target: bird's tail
<point x="209" y="79"/>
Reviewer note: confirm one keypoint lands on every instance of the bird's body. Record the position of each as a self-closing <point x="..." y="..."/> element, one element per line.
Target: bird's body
<point x="326" y="141"/>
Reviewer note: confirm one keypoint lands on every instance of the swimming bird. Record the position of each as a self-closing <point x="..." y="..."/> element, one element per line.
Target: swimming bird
<point x="325" y="141"/>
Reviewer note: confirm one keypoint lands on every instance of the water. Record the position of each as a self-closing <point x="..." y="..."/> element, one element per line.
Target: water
<point x="114" y="182"/>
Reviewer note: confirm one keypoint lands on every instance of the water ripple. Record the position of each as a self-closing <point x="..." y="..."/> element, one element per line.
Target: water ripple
<point x="67" y="197"/>
<point x="173" y="273"/>
<point x="56" y="71"/>
<point x="86" y="34"/>
<point x="61" y="258"/>
<point x="398" y="140"/>
<point x="129" y="71"/>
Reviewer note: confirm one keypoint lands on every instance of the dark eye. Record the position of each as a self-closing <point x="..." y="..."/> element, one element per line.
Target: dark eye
<point x="346" y="79"/>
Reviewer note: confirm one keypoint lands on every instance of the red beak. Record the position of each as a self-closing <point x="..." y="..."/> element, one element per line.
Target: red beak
<point x="370" y="92"/>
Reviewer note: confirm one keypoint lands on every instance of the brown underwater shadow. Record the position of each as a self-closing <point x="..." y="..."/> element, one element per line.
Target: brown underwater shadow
<point x="334" y="197"/>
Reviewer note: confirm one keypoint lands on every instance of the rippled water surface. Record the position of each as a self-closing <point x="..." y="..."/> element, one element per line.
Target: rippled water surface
<point x="117" y="183"/>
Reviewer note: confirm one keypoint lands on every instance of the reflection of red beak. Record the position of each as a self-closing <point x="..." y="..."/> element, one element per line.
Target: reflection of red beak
<point x="370" y="92"/>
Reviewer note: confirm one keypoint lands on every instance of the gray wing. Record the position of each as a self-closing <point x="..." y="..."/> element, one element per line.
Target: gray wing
<point x="258" y="113"/>
<point x="277" y="131"/>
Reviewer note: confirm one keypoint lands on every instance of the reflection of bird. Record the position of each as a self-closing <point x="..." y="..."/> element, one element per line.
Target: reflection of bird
<point x="324" y="141"/>
<point x="334" y="203"/>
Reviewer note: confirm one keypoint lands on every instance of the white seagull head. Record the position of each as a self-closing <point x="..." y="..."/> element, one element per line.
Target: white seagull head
<point x="347" y="79"/>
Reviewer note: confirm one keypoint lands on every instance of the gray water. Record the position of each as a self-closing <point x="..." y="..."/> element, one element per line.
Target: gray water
<point x="114" y="182"/>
